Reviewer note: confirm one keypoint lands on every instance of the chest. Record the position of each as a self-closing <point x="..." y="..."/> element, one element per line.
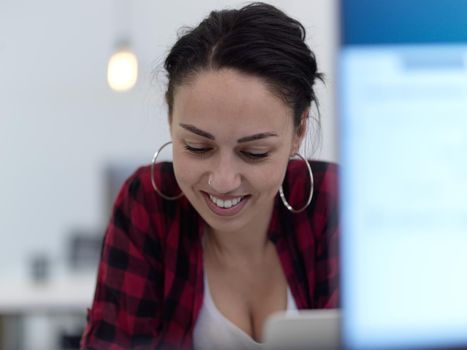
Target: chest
<point x="247" y="294"/>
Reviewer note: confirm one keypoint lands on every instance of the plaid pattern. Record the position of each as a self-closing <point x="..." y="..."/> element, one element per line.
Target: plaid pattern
<point x="150" y="279"/>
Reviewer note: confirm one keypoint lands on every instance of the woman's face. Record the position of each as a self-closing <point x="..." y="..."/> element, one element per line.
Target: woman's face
<point x="232" y="139"/>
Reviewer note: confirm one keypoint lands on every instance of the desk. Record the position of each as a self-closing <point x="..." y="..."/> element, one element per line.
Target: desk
<point x="73" y="293"/>
<point x="34" y="315"/>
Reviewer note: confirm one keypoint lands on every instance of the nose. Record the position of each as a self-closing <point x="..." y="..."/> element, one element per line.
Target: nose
<point x="224" y="176"/>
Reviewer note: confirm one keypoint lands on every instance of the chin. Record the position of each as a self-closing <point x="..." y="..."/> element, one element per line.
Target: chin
<point x="230" y="228"/>
<point x="221" y="223"/>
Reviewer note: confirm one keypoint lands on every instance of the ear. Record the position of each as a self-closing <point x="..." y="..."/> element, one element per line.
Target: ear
<point x="300" y="132"/>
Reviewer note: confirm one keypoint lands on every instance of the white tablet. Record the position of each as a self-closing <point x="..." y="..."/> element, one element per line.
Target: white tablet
<point x="308" y="329"/>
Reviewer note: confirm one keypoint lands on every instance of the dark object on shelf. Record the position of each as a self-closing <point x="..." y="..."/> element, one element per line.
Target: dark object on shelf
<point x="84" y="250"/>
<point x="40" y="268"/>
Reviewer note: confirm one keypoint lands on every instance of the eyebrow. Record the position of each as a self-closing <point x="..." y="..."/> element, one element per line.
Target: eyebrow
<point x="209" y="136"/>
<point x="254" y="137"/>
<point x="197" y="131"/>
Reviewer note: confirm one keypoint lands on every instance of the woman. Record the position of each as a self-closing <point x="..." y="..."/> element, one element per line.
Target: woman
<point x="199" y="254"/>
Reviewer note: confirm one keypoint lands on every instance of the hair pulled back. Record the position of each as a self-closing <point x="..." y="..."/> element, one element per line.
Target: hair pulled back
<point x="257" y="39"/>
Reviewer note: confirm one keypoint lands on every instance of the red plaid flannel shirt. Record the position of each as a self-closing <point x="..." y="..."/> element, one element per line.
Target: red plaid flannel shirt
<point x="150" y="279"/>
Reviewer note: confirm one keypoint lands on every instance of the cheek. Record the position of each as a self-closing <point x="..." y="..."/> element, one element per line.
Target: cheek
<point x="180" y="168"/>
<point x="186" y="170"/>
<point x="270" y="178"/>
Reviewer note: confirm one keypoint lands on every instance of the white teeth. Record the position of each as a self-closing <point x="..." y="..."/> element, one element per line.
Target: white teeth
<point x="225" y="204"/>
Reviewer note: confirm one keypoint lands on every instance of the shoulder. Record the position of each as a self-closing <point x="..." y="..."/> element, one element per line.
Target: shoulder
<point x="321" y="214"/>
<point x="139" y="185"/>
<point x="140" y="205"/>
<point x="136" y="197"/>
<point x="324" y="177"/>
<point x="319" y="168"/>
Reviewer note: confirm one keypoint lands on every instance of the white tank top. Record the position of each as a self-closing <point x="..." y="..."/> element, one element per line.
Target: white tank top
<point x="214" y="331"/>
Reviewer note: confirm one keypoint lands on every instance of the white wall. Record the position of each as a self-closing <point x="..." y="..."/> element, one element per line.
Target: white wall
<point x="60" y="124"/>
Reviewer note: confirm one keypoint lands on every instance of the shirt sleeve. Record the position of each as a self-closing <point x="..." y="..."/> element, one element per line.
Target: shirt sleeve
<point x="125" y="312"/>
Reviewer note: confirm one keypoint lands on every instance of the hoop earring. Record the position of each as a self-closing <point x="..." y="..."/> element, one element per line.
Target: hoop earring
<point x="153" y="182"/>
<point x="281" y="192"/>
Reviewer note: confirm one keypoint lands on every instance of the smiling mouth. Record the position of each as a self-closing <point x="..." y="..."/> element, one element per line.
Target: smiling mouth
<point x="225" y="204"/>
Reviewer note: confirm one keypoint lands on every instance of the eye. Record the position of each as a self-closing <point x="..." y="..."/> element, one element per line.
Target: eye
<point x="197" y="150"/>
<point x="254" y="156"/>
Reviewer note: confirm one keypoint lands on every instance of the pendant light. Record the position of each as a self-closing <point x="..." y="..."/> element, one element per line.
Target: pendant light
<point x="122" y="68"/>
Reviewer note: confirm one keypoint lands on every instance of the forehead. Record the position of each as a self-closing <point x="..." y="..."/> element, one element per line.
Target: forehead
<point x="227" y="99"/>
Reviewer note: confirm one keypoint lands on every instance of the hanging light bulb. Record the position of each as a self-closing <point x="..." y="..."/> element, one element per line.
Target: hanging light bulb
<point x="122" y="69"/>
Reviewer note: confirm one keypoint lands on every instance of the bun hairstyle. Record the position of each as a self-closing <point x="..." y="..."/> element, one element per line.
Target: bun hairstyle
<point x="257" y="39"/>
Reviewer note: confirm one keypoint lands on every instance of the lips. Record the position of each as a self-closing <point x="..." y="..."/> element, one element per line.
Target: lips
<point x="225" y="206"/>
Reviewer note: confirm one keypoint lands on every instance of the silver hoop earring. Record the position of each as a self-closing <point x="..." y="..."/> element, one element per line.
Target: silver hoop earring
<point x="153" y="182"/>
<point x="281" y="192"/>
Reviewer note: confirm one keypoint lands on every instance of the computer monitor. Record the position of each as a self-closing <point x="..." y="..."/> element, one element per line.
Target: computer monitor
<point x="403" y="155"/>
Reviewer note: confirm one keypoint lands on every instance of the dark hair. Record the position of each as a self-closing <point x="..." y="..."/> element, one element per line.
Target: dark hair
<point x="257" y="39"/>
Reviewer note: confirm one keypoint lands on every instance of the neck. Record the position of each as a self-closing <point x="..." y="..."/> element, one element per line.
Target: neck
<point x="249" y="243"/>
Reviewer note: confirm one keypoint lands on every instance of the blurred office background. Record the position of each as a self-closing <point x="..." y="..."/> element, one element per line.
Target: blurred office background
<point x="67" y="141"/>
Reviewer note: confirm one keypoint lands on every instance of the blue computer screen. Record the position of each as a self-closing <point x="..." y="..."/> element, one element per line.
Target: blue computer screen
<point x="403" y="149"/>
